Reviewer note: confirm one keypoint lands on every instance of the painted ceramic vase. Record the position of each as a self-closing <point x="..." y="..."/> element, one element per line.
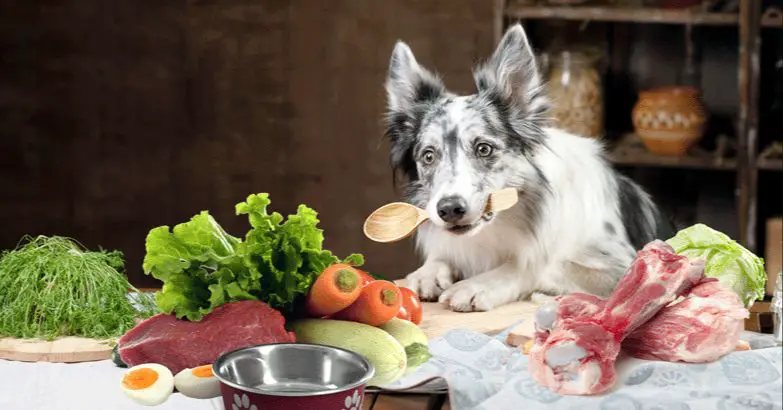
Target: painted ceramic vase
<point x="669" y="120"/>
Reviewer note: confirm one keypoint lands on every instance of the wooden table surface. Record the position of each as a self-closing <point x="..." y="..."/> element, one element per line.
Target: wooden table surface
<point x="438" y="319"/>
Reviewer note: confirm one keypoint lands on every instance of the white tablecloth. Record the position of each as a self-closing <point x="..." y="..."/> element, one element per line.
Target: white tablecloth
<point x="483" y="373"/>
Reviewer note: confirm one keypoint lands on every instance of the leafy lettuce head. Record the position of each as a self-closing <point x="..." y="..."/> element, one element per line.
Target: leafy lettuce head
<point x="728" y="261"/>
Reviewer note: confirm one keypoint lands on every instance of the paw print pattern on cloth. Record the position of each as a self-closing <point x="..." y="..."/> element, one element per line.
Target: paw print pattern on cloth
<point x="671" y="378"/>
<point x="529" y="388"/>
<point x="242" y="403"/>
<point x="640" y="375"/>
<point x="620" y="402"/>
<point x="466" y="341"/>
<point x="667" y="406"/>
<point x="492" y="360"/>
<point x="747" y="368"/>
<point x="353" y="402"/>
<point x="759" y="401"/>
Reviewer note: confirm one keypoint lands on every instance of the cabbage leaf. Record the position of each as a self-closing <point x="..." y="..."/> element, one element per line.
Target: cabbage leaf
<point x="728" y="261"/>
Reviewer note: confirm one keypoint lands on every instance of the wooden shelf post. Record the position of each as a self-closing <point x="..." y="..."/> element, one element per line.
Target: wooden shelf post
<point x="747" y="175"/>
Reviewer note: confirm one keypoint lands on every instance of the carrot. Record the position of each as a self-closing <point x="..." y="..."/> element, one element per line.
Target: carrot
<point x="378" y="303"/>
<point x="366" y="277"/>
<point x="336" y="288"/>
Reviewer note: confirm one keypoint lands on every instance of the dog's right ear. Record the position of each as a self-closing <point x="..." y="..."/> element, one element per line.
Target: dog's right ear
<point x="407" y="83"/>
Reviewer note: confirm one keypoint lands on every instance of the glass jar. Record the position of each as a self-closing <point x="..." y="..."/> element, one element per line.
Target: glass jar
<point x="575" y="88"/>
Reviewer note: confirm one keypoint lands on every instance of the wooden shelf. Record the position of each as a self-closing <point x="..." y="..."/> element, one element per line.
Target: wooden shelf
<point x="630" y="15"/>
<point x="629" y="151"/>
<point x="771" y="157"/>
<point x="771" y="164"/>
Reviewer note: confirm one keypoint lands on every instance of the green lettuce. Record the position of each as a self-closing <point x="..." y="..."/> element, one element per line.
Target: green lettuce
<point x="198" y="265"/>
<point x="286" y="256"/>
<point x="203" y="267"/>
<point x="729" y="262"/>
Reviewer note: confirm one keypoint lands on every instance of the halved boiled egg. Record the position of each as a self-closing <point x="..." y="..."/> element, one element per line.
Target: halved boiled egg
<point x="148" y="384"/>
<point x="198" y="382"/>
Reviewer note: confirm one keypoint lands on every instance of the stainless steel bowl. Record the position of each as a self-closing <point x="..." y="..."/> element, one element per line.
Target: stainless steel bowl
<point x="293" y="369"/>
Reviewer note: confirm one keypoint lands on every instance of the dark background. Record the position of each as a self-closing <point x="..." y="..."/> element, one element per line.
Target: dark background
<point x="117" y="116"/>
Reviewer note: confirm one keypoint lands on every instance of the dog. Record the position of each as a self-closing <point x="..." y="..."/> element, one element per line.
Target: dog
<point x="578" y="223"/>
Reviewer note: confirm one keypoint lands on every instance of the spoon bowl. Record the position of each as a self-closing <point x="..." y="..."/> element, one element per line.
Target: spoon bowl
<point x="393" y="222"/>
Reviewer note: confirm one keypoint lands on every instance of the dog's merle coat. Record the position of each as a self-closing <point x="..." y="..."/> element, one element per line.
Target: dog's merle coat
<point x="578" y="222"/>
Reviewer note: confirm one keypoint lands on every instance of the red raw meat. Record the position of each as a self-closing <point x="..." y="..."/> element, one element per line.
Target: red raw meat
<point x="702" y="327"/>
<point x="180" y="344"/>
<point x="577" y="355"/>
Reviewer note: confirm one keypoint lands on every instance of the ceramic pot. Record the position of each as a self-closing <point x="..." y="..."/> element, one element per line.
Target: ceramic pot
<point x="669" y="120"/>
<point x="292" y="376"/>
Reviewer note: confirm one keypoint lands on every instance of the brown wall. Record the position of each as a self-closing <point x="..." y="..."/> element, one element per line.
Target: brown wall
<point x="118" y="116"/>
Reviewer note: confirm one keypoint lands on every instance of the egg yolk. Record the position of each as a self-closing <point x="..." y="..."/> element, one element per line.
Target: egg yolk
<point x="202" y="371"/>
<point x="140" y="379"/>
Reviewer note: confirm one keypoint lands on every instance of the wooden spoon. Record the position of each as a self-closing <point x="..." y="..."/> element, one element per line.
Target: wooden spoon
<point x="398" y="220"/>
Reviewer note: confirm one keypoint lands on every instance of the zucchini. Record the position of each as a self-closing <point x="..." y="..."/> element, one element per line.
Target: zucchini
<point x="405" y="331"/>
<point x="412" y="338"/>
<point x="384" y="352"/>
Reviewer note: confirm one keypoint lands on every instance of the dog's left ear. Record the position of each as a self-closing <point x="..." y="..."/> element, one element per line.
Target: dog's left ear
<point x="513" y="74"/>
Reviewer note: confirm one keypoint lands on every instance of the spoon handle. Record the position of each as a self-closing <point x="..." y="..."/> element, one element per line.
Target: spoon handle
<point x="502" y="200"/>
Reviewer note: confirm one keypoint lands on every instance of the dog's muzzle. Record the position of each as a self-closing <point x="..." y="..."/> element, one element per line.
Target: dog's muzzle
<point x="462" y="229"/>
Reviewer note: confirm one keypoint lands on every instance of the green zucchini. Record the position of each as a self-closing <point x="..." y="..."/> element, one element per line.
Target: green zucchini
<point x="412" y="338"/>
<point x="385" y="353"/>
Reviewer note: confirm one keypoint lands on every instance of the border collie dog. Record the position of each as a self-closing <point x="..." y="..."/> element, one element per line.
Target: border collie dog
<point x="578" y="222"/>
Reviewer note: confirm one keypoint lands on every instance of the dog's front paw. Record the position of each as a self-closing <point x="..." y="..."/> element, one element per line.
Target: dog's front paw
<point x="470" y="296"/>
<point x="430" y="280"/>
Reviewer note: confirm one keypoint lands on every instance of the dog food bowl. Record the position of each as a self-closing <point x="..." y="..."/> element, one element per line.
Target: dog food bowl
<point x="292" y="376"/>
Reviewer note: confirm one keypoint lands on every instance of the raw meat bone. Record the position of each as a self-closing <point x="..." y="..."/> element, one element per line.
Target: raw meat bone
<point x="577" y="355"/>
<point x="702" y="327"/>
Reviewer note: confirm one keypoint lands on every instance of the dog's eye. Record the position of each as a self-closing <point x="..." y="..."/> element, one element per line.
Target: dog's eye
<point x="428" y="157"/>
<point x="483" y="150"/>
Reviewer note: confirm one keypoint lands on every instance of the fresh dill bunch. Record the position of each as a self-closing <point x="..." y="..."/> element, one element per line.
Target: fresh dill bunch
<point x="53" y="286"/>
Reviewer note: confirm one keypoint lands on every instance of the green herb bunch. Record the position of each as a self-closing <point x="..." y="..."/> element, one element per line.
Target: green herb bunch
<point x="52" y="286"/>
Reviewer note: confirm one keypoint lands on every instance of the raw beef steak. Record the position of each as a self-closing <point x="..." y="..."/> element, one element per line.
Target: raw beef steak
<point x="180" y="344"/>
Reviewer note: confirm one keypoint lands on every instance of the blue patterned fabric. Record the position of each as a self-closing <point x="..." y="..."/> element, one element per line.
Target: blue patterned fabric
<point x="483" y="373"/>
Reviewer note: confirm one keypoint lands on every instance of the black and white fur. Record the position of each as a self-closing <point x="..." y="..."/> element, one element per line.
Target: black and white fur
<point x="578" y="222"/>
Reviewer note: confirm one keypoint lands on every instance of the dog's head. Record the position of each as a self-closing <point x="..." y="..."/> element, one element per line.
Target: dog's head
<point x="453" y="151"/>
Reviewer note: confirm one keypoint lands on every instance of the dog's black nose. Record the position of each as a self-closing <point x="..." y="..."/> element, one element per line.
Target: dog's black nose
<point x="452" y="208"/>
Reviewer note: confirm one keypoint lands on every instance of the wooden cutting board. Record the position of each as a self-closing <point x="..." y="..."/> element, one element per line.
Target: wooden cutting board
<point x="62" y="350"/>
<point x="438" y="319"/>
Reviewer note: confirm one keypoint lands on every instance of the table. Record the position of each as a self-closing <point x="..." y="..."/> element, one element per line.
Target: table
<point x="483" y="372"/>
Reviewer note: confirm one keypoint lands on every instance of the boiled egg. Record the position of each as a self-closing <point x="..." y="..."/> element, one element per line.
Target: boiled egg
<point x="148" y="384"/>
<point x="198" y="382"/>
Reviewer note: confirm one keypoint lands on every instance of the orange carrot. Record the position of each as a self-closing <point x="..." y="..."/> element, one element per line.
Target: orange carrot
<point x="378" y="303"/>
<point x="335" y="289"/>
<point x="366" y="278"/>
